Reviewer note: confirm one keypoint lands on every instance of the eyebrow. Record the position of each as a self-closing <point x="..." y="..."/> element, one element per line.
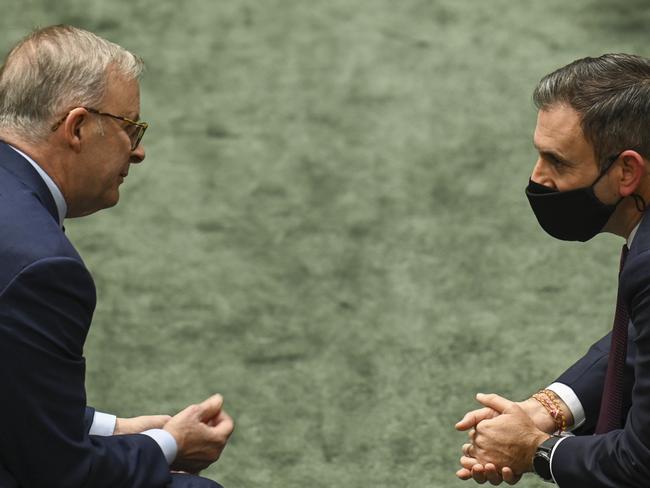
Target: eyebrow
<point x="135" y="116"/>
<point x="553" y="155"/>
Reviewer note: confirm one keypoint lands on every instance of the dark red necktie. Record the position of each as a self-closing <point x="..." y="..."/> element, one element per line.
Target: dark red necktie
<point x="611" y="405"/>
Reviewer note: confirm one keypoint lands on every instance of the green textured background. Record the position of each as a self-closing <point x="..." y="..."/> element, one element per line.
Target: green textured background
<point x="330" y="227"/>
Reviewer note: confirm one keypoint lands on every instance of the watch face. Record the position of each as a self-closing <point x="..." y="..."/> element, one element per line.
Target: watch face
<point x="542" y="465"/>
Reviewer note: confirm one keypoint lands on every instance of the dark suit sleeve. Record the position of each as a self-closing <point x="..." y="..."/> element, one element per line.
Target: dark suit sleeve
<point x="620" y="458"/>
<point x="45" y="313"/>
<point x="587" y="378"/>
<point x="89" y="416"/>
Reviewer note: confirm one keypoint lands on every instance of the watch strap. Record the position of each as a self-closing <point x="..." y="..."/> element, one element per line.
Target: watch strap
<point x="542" y="459"/>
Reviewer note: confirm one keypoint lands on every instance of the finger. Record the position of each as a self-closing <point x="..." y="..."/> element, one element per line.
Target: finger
<point x="509" y="476"/>
<point x="471" y="434"/>
<point x="474" y="417"/>
<point x="494" y="401"/>
<point x="466" y="448"/>
<point x="222" y="415"/>
<point x="478" y="473"/>
<point x="468" y="462"/>
<point x="464" y="474"/>
<point x="210" y="407"/>
<point x="492" y="474"/>
<point x="224" y="426"/>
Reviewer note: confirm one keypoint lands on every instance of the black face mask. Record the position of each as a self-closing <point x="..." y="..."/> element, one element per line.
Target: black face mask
<point x="573" y="215"/>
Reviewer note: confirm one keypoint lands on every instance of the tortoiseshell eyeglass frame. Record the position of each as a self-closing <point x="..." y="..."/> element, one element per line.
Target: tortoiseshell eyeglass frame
<point x="135" y="138"/>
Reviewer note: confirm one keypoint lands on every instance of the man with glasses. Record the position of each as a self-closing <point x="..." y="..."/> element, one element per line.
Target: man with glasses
<point x="69" y="133"/>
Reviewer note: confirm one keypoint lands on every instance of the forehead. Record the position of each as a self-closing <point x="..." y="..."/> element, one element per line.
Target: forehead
<point x="122" y="96"/>
<point x="558" y="130"/>
<point x="558" y="123"/>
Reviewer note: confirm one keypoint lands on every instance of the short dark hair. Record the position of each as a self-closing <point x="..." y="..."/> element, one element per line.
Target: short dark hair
<point x="611" y="94"/>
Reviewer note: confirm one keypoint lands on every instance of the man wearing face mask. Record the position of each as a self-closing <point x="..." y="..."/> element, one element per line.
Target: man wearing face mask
<point x="593" y="140"/>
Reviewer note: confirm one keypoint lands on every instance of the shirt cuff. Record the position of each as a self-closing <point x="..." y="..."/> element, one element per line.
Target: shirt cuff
<point x="166" y="442"/>
<point x="550" y="462"/>
<point x="571" y="400"/>
<point x="103" y="424"/>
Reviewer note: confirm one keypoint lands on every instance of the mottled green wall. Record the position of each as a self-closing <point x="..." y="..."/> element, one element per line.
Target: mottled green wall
<point x="330" y="227"/>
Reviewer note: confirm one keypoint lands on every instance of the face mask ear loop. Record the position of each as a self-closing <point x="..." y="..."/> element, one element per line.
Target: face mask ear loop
<point x="607" y="167"/>
<point x="639" y="202"/>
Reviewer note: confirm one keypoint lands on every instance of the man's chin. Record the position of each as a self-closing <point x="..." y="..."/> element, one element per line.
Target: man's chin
<point x="110" y="199"/>
<point x="107" y="203"/>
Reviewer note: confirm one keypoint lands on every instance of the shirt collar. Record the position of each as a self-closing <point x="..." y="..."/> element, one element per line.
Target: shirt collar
<point x="61" y="206"/>
<point x="630" y="238"/>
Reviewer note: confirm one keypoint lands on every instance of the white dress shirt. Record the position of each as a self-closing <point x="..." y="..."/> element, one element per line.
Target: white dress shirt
<point x="103" y="423"/>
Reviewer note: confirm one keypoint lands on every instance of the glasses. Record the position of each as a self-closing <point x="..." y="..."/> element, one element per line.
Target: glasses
<point x="135" y="130"/>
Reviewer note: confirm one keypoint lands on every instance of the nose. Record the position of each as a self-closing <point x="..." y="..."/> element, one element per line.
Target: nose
<point x="138" y="154"/>
<point x="541" y="174"/>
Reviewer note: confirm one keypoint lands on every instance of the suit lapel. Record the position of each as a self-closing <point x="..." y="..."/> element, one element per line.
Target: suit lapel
<point x="18" y="166"/>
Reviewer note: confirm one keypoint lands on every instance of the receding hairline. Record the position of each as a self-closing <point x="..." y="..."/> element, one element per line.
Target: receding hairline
<point x="54" y="68"/>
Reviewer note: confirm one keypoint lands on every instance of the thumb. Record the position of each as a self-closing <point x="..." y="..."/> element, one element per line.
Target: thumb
<point x="210" y="407"/>
<point x="155" y="421"/>
<point x="471" y="419"/>
<point x="495" y="402"/>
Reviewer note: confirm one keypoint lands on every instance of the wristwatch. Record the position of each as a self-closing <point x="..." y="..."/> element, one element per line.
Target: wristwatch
<point x="542" y="459"/>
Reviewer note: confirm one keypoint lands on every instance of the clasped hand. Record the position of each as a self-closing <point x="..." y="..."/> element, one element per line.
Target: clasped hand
<point x="201" y="432"/>
<point x="503" y="439"/>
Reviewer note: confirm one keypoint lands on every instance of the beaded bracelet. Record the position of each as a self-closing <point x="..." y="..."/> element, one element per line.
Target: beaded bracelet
<point x="549" y="401"/>
<point x="556" y="401"/>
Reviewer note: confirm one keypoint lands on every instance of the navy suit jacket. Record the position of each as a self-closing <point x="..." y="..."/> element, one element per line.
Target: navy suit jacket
<point x="620" y="458"/>
<point x="47" y="299"/>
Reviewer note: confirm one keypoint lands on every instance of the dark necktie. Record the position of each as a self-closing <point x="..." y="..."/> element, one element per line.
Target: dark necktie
<point x="612" y="401"/>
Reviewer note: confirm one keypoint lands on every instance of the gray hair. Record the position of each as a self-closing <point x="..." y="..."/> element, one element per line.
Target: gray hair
<point x="611" y="94"/>
<point x="55" y="69"/>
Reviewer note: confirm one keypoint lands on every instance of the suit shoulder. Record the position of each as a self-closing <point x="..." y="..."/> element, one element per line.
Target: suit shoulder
<point x="30" y="234"/>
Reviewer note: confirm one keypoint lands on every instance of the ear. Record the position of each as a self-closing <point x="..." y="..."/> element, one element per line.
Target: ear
<point x="632" y="171"/>
<point x="73" y="127"/>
